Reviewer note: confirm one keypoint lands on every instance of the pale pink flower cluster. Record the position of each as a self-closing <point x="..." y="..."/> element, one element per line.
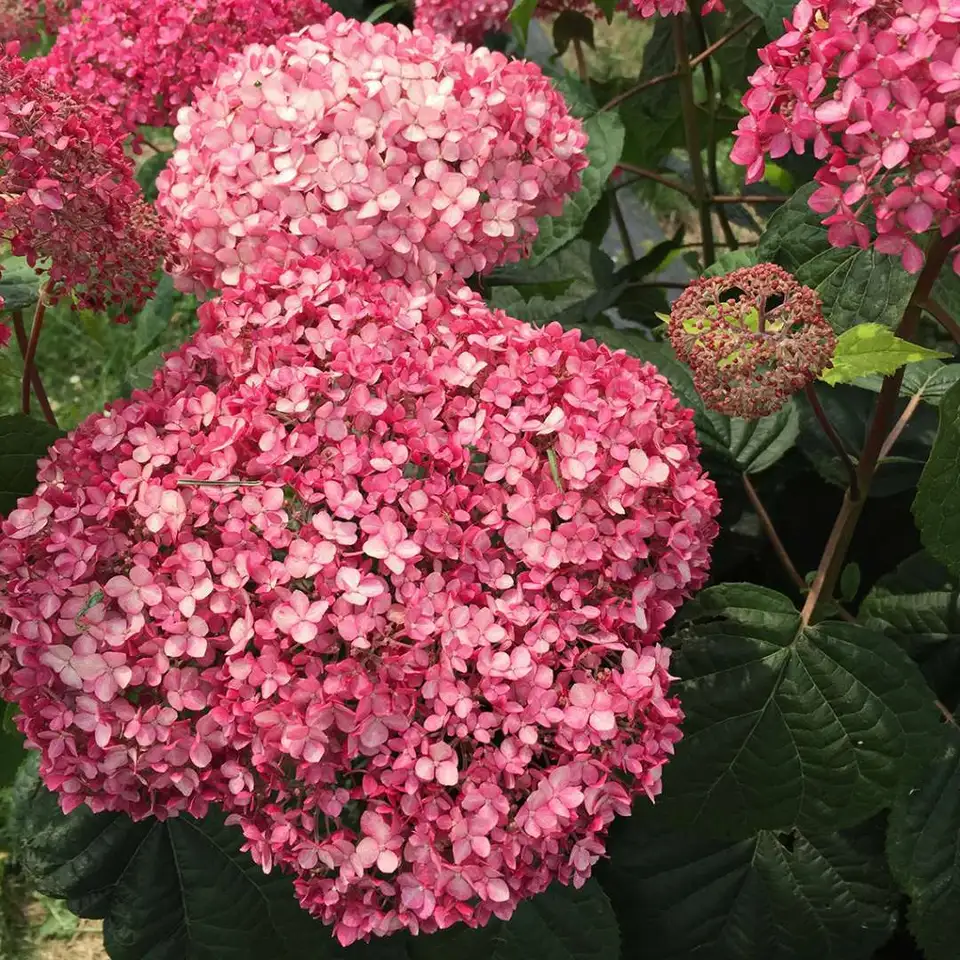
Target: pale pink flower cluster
<point x="472" y="20"/>
<point x="380" y="572"/>
<point x="143" y="58"/>
<point x="419" y="156"/>
<point x="875" y="86"/>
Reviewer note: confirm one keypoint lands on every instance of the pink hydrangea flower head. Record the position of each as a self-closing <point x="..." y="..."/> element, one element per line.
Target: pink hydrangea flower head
<point x="143" y="58"/>
<point x="873" y="87"/>
<point x="418" y="156"/>
<point x="666" y="8"/>
<point x="752" y="338"/>
<point x="68" y="194"/>
<point x="380" y="572"/>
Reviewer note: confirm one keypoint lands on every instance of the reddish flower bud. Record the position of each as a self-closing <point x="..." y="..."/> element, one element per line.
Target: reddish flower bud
<point x="751" y="338"/>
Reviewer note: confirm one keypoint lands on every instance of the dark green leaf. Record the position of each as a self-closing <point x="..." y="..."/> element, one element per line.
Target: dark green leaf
<point x="768" y="897"/>
<point x="789" y="725"/>
<point x="603" y="150"/>
<point x="937" y="507"/>
<point x="19" y="284"/>
<point x="572" y="25"/>
<point x="561" y="924"/>
<point x="924" y="850"/>
<point x="520" y="16"/>
<point x="850" y="581"/>
<point x="12" y="751"/>
<point x="850" y="410"/>
<point x="177" y="890"/>
<point x="857" y="286"/>
<point x="149" y="171"/>
<point x="608" y="7"/>
<point x="930" y="378"/>
<point x="773" y="13"/>
<point x="23" y="441"/>
<point x="918" y="605"/>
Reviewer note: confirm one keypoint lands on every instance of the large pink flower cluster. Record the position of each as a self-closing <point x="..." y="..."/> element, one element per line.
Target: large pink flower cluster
<point x="875" y="86"/>
<point x="472" y="20"/>
<point x="419" y="156"/>
<point x="143" y="58"/>
<point x="380" y="572"/>
<point x="68" y="194"/>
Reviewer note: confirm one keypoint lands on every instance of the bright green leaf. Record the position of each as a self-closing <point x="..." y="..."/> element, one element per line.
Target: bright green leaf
<point x="924" y="850"/>
<point x="520" y="16"/>
<point x="605" y="131"/>
<point x="871" y="348"/>
<point x="768" y="897"/>
<point x="856" y="286"/>
<point x="177" y="890"/>
<point x="378" y="13"/>
<point x="23" y="441"/>
<point x="561" y="924"/>
<point x="937" y="506"/>
<point x="789" y="725"/>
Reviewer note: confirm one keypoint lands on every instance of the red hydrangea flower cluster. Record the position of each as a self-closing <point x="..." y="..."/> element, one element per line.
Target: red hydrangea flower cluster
<point x="68" y="194"/>
<point x="875" y="86"/>
<point x="379" y="571"/>
<point x="472" y="20"/>
<point x="24" y="19"/>
<point x="751" y="338"/>
<point x="420" y="156"/>
<point x="143" y="58"/>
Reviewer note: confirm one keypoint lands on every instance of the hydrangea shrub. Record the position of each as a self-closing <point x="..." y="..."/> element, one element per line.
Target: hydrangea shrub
<point x="443" y="565"/>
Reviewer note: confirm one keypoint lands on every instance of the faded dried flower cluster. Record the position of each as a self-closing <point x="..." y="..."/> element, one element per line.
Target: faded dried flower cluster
<point x="143" y="58"/>
<point x="379" y="571"/>
<point x="752" y="338"/>
<point x="68" y="194"/>
<point x="423" y="158"/>
<point x="876" y="88"/>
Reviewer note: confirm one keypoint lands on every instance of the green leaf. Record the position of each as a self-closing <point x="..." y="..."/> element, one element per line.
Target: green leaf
<point x="870" y="348"/>
<point x="856" y="286"/>
<point x="12" y="751"/>
<point x="731" y="260"/>
<point x="789" y="725"/>
<point x="520" y="16"/>
<point x="177" y="890"/>
<point x="744" y="446"/>
<point x="580" y="100"/>
<point x="930" y="378"/>
<point x="603" y="150"/>
<point x="378" y="13"/>
<point x="23" y="441"/>
<point x="148" y="172"/>
<point x="937" y="507"/>
<point x="767" y="897"/>
<point x="607" y="7"/>
<point x="918" y="606"/>
<point x="19" y="283"/>
<point x="561" y="924"/>
<point x="924" y="850"/>
<point x="773" y="13"/>
<point x="572" y="25"/>
<point x="850" y="581"/>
